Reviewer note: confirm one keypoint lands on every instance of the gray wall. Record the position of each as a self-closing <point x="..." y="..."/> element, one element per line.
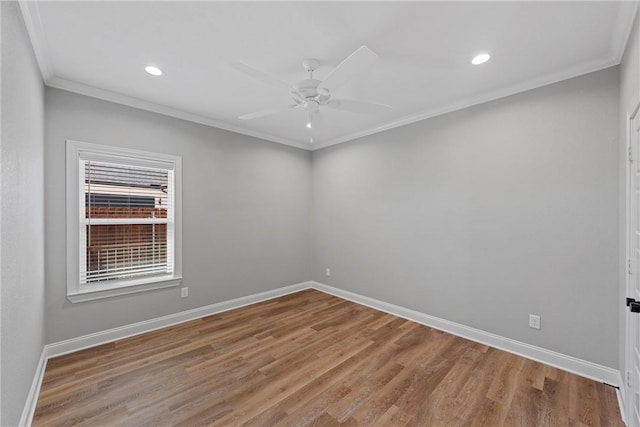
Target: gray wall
<point x="246" y="208"/>
<point x="485" y="215"/>
<point x="629" y="95"/>
<point x="22" y="213"/>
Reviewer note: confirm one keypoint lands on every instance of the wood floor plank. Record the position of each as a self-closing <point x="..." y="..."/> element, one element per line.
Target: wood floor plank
<point x="490" y="413"/>
<point x="312" y="359"/>
<point x="470" y="399"/>
<point x="312" y="413"/>
<point x="525" y="405"/>
<point x="554" y="405"/>
<point x="362" y="391"/>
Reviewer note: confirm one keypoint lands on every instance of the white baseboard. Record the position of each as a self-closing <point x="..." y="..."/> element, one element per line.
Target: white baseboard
<point x="32" y="398"/>
<point x="562" y="361"/>
<point x="620" y="393"/>
<point x="110" y="335"/>
<point x="568" y="363"/>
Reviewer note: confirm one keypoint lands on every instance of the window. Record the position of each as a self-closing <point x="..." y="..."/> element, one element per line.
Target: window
<point x="123" y="221"/>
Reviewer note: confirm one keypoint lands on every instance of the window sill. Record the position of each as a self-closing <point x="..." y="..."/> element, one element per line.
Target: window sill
<point x="125" y="288"/>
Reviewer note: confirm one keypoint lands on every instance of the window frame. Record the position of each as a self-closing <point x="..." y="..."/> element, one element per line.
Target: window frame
<point x="77" y="151"/>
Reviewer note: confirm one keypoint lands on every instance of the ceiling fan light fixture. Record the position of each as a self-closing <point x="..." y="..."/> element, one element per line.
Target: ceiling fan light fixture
<point x="480" y="58"/>
<point x="153" y="70"/>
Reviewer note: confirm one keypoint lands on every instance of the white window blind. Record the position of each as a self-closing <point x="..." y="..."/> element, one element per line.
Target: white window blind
<point x="126" y="222"/>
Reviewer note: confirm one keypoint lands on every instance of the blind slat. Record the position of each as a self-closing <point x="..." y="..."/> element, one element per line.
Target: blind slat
<point x="126" y="221"/>
<point x="120" y="274"/>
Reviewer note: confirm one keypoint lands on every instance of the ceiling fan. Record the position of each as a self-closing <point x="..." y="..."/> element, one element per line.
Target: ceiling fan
<point x="311" y="95"/>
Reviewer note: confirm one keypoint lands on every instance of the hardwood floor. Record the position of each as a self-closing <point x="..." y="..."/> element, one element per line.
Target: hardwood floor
<point x="312" y="359"/>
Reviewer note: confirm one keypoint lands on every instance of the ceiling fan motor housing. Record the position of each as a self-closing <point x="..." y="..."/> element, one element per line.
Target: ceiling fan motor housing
<point x="311" y="105"/>
<point x="308" y="88"/>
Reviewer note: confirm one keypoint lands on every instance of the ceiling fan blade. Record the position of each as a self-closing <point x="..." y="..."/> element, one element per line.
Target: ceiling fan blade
<point x="355" y="64"/>
<point x="261" y="76"/>
<point x="264" y="113"/>
<point x="358" y="107"/>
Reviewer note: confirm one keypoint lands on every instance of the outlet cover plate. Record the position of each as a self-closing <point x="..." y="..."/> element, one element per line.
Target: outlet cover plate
<point x="534" y="321"/>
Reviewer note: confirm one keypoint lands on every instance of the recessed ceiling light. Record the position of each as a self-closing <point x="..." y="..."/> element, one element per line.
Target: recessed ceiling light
<point x="480" y="59"/>
<point x="154" y="71"/>
<point x="309" y="125"/>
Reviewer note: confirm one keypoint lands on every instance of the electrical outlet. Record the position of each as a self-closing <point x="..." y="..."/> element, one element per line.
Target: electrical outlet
<point x="534" y="321"/>
<point x="184" y="292"/>
<point x="327" y="272"/>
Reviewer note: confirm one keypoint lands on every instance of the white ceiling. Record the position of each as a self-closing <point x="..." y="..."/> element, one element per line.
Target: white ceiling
<point x="100" y="48"/>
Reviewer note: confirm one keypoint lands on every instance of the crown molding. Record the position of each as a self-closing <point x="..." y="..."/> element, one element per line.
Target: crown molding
<point x="153" y="107"/>
<point x="534" y="83"/>
<point x="622" y="29"/>
<point x="130" y="101"/>
<point x="33" y="24"/>
<point x="31" y="16"/>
